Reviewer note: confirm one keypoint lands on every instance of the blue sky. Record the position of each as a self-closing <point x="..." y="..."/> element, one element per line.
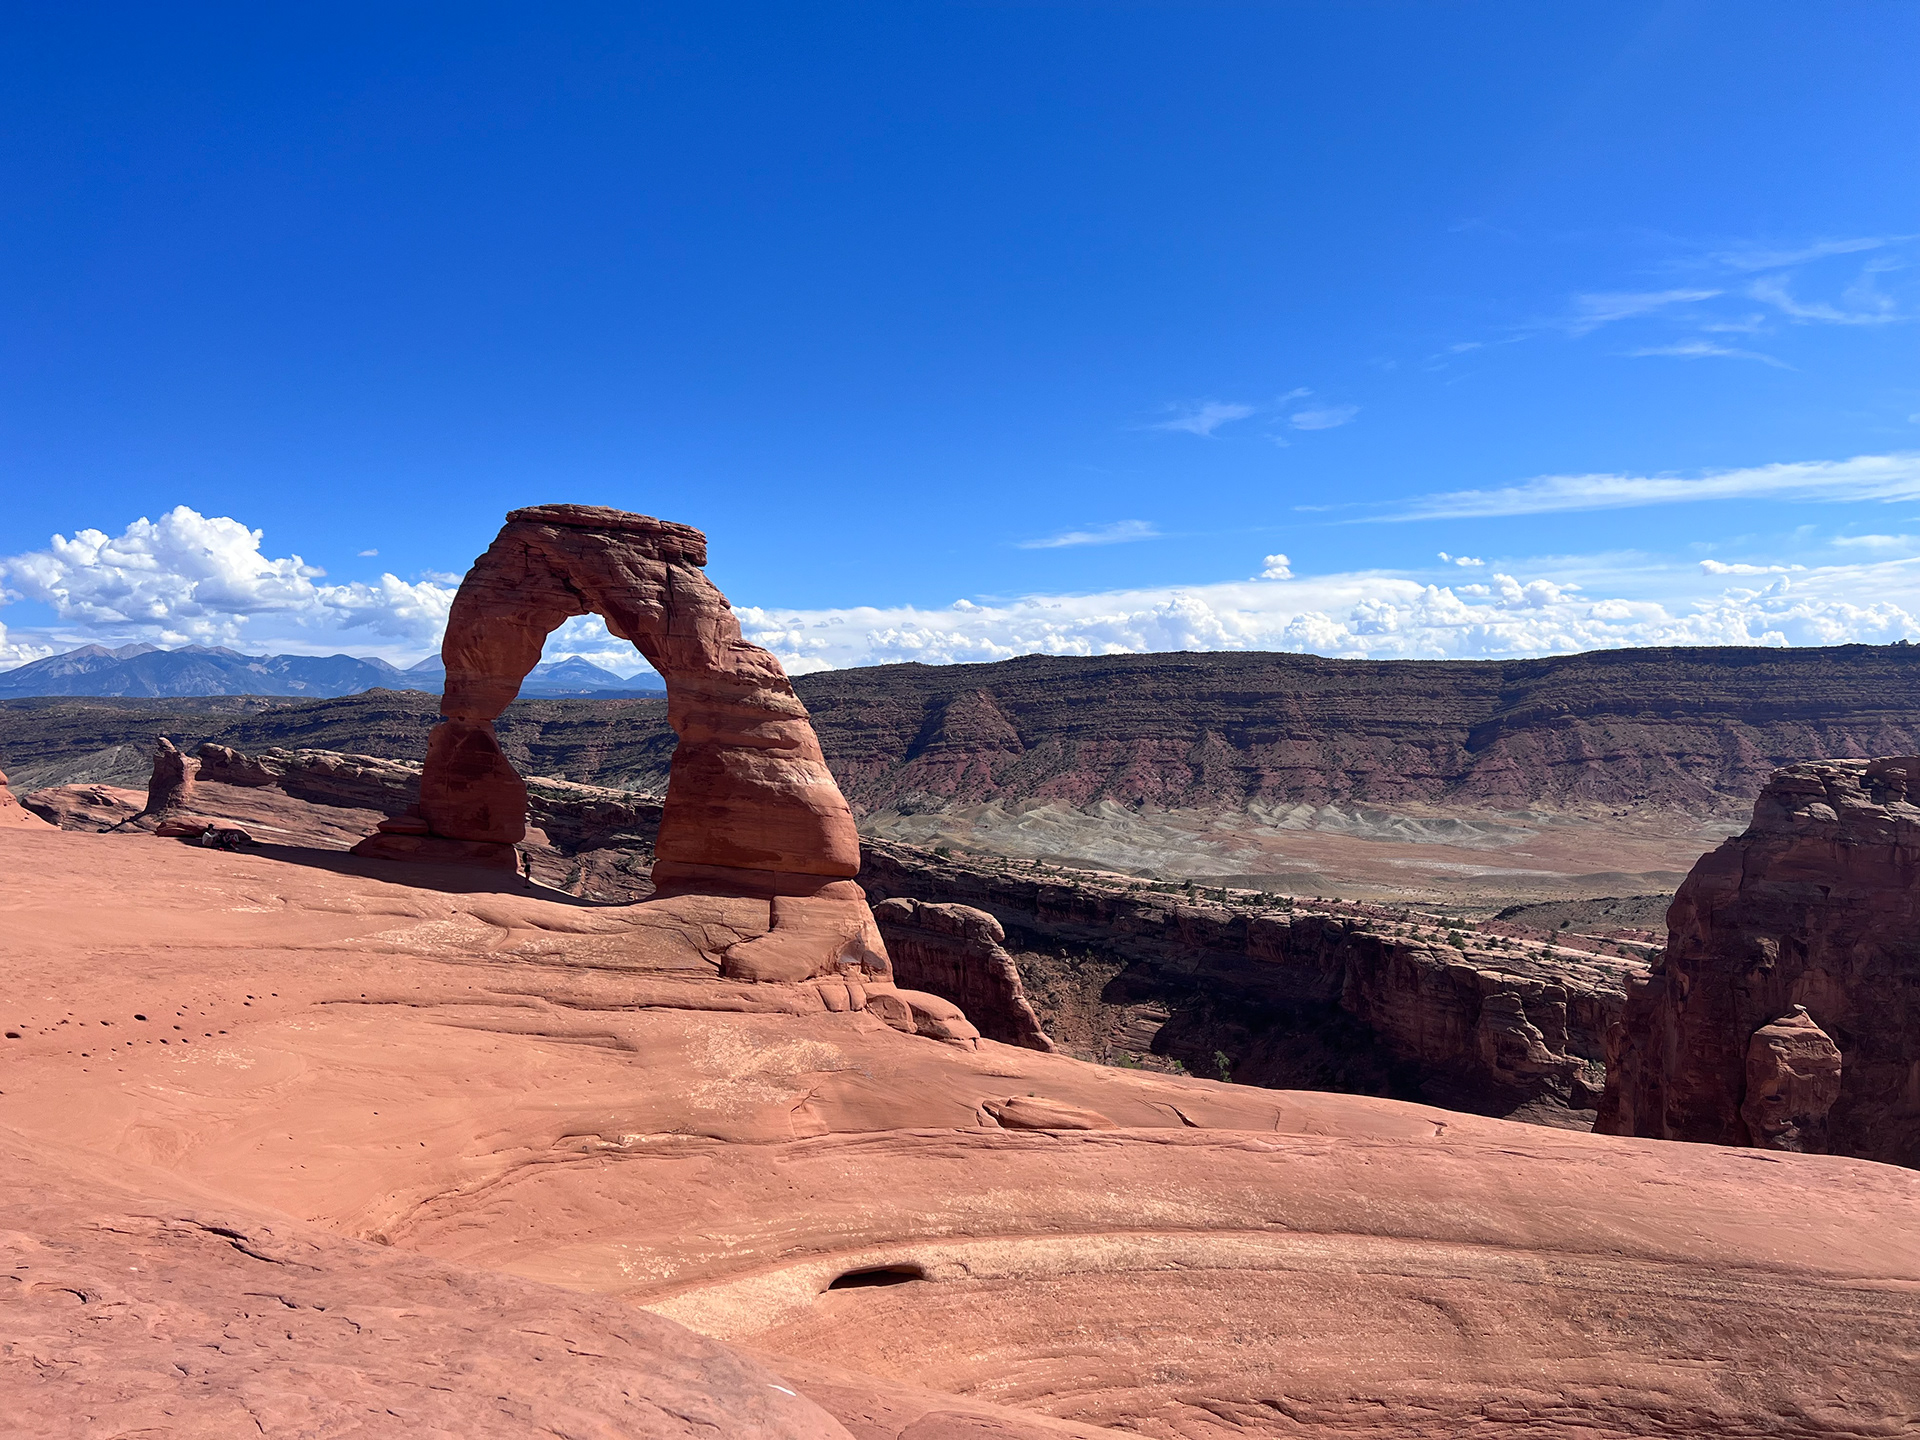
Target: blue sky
<point x="1078" y="315"/>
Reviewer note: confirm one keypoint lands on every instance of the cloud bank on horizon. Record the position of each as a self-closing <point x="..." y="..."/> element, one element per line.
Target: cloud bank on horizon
<point x="187" y="578"/>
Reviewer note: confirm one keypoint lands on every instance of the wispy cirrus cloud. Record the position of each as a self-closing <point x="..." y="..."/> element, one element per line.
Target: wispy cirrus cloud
<point x="1589" y="312"/>
<point x="1705" y="350"/>
<point x="1205" y="417"/>
<point x="1322" y="417"/>
<point x="1722" y="567"/>
<point x="1118" y="533"/>
<point x="1757" y="257"/>
<point x="1864" y="477"/>
<point x="1866" y="305"/>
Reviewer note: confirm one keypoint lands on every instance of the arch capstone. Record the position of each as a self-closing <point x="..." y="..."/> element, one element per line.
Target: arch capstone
<point x="751" y="810"/>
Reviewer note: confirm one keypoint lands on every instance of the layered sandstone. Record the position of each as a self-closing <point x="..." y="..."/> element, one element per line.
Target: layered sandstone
<point x="170" y="790"/>
<point x="1793" y="946"/>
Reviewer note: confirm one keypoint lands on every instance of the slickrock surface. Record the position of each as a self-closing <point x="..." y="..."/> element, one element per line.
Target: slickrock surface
<point x="575" y="1095"/>
<point x="1816" y="905"/>
<point x="155" y="1310"/>
<point x="85" y="807"/>
<point x="1350" y="998"/>
<point x="14" y="815"/>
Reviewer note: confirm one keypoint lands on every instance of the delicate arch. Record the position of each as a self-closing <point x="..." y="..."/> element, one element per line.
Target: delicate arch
<point x="751" y="807"/>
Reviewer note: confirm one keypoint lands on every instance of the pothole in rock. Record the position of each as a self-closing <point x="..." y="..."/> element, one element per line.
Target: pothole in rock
<point x="878" y="1275"/>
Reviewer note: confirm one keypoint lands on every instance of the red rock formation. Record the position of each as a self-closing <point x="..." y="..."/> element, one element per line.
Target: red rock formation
<point x="1037" y="1112"/>
<point x="14" y="815"/>
<point x="956" y="951"/>
<point x="85" y="807"/>
<point x="751" y="808"/>
<point x="1793" y="1078"/>
<point x="1816" y="905"/>
<point x="171" y="788"/>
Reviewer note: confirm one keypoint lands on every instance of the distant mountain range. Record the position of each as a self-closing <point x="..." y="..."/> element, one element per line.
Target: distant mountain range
<point x="213" y="670"/>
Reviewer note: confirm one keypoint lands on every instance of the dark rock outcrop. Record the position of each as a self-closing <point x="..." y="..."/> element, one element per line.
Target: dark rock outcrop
<point x="955" y="951"/>
<point x="1816" y="907"/>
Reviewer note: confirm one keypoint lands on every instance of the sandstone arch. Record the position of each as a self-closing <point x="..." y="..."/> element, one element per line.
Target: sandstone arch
<point x="751" y="808"/>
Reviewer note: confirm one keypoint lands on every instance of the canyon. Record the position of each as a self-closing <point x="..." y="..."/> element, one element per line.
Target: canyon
<point x="425" y="1087"/>
<point x="1477" y="784"/>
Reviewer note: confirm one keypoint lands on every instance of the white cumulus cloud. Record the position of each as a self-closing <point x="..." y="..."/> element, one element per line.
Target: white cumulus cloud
<point x="188" y="578"/>
<point x="1376" y="615"/>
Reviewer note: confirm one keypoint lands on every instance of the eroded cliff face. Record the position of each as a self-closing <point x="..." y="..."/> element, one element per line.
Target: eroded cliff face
<point x="1297" y="996"/>
<point x="958" y="952"/>
<point x="1690" y="730"/>
<point x="1816" y="905"/>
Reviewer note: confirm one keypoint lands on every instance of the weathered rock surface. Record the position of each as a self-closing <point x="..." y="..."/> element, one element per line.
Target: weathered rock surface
<point x="14" y="815"/>
<point x="85" y="807"/>
<point x="956" y="951"/>
<point x="1288" y="997"/>
<point x="1793" y="1078"/>
<point x="126" y="1311"/>
<point x="1344" y="1002"/>
<point x="1816" y="905"/>
<point x="573" y="1095"/>
<point x="171" y="788"/>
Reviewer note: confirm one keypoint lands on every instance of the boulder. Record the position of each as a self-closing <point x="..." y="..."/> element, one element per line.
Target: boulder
<point x="1793" y="1078"/>
<point x="958" y="952"/>
<point x="1814" y="912"/>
